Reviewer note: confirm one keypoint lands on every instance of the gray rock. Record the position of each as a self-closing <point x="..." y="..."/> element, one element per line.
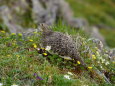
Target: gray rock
<point x="38" y="11"/>
<point x="111" y="53"/>
<point x="45" y="15"/>
<point x="8" y="20"/>
<point x="95" y="34"/>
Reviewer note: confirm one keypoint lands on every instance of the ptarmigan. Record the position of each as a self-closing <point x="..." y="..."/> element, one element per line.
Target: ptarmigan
<point x="60" y="43"/>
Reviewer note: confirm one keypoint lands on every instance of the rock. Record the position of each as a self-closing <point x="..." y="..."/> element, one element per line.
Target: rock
<point x="45" y="14"/>
<point x="52" y="8"/>
<point x="79" y="23"/>
<point x="20" y="6"/>
<point x="95" y="34"/>
<point x="102" y="26"/>
<point x="38" y="12"/>
<point x="111" y="53"/>
<point x="8" y="20"/>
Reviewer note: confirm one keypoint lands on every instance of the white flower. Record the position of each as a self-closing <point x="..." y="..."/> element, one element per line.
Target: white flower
<point x="100" y="57"/>
<point x="14" y="85"/>
<point x="98" y="61"/>
<point x="38" y="48"/>
<point x="101" y="67"/>
<point x="107" y="63"/>
<point x="70" y="73"/>
<point x="103" y="60"/>
<point x="1" y="84"/>
<point x="67" y="77"/>
<point x="48" y="48"/>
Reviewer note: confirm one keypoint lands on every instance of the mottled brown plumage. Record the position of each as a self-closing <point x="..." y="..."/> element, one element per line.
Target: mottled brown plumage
<point x="60" y="43"/>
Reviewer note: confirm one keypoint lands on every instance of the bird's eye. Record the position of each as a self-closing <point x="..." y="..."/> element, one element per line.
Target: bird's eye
<point x="42" y="24"/>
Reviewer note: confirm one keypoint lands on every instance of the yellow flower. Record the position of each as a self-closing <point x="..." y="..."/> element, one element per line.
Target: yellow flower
<point x="97" y="53"/>
<point x="93" y="56"/>
<point x="8" y="55"/>
<point x="78" y="62"/>
<point x="45" y="54"/>
<point x="89" y="67"/>
<point x="14" y="43"/>
<point x="42" y="48"/>
<point x="35" y="46"/>
<point x="13" y="33"/>
<point x="20" y="34"/>
<point x="17" y="55"/>
<point x="3" y="32"/>
<point x="96" y="48"/>
<point x="35" y="32"/>
<point x="31" y="40"/>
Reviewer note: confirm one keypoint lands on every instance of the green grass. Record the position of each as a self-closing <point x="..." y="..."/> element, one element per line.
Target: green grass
<point x="97" y="12"/>
<point x="109" y="37"/>
<point x="21" y="64"/>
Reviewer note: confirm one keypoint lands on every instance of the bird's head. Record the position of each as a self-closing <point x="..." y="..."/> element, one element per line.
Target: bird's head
<point x="44" y="27"/>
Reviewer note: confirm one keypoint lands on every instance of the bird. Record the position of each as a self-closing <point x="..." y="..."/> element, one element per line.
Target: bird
<point x="60" y="43"/>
